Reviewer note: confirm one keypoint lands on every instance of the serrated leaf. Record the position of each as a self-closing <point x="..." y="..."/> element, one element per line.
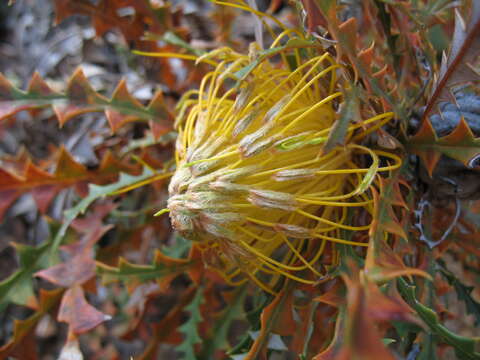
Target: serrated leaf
<point x="162" y="268"/>
<point x="460" y="144"/>
<point x="464" y="293"/>
<point x="44" y="185"/>
<point x="347" y="37"/>
<point x="178" y="248"/>
<point x="80" y="266"/>
<point x="464" y="347"/>
<point x="385" y="220"/>
<point x="190" y="328"/>
<point x="81" y="98"/>
<point x="78" y="313"/>
<point x="107" y="15"/>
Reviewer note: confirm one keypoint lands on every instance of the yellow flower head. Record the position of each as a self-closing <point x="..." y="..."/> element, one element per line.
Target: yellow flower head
<point x="253" y="185"/>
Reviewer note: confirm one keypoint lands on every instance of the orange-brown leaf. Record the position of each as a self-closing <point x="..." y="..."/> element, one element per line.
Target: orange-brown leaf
<point x="78" y="313"/>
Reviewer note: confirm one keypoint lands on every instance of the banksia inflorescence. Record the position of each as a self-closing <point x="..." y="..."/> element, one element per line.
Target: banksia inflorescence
<point x="254" y="186"/>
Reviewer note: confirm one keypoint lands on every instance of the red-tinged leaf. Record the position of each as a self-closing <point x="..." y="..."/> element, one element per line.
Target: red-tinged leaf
<point x="361" y="339"/>
<point x="6" y="89"/>
<point x="67" y="112"/>
<point x="105" y="16"/>
<point x="387" y="265"/>
<point x="7" y="198"/>
<point x="111" y="165"/>
<point x="314" y="16"/>
<point x="421" y="145"/>
<point x="44" y="185"/>
<point x="81" y="98"/>
<point x="122" y="98"/>
<point x="158" y="107"/>
<point x="385" y="220"/>
<point x="43" y="196"/>
<point x="333" y="350"/>
<point x="271" y="319"/>
<point x="382" y="264"/>
<point x="65" y="8"/>
<point x="335" y="296"/>
<point x="38" y="86"/>
<point x="121" y="95"/>
<point x="26" y="349"/>
<point x="76" y="271"/>
<point x="79" y="89"/>
<point x="366" y="55"/>
<point x="92" y="224"/>
<point x="116" y="119"/>
<point x="388" y="307"/>
<point x="457" y="68"/>
<point x="80" y="266"/>
<point x="460" y="144"/>
<point x="166" y="330"/>
<point x="159" y="128"/>
<point x="7" y="179"/>
<point x="78" y="313"/>
<point x="34" y="172"/>
<point x="349" y="45"/>
<point x="67" y="167"/>
<point x="10" y="108"/>
<point x="22" y="337"/>
<point x="221" y="323"/>
<point x="356" y="336"/>
<point x="196" y="273"/>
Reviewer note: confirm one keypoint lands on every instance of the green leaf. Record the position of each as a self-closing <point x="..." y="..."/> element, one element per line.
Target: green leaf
<point x="148" y="140"/>
<point x="350" y="111"/>
<point x="189" y="328"/>
<point x="172" y="38"/>
<point x="162" y="267"/>
<point x="18" y="287"/>
<point x="388" y="341"/>
<point x="178" y="249"/>
<point x="429" y="346"/>
<point x="264" y="54"/>
<point x="464" y="347"/>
